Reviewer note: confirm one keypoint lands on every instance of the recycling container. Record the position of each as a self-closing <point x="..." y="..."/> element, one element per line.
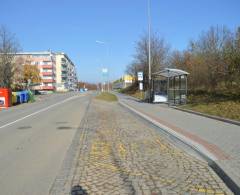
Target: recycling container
<point x="14" y="97"/>
<point x="5" y="97"/>
<point x="19" y="97"/>
<point x="24" y="95"/>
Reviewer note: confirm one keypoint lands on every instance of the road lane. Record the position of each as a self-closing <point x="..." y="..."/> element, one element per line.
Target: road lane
<point x="32" y="150"/>
<point x="22" y="110"/>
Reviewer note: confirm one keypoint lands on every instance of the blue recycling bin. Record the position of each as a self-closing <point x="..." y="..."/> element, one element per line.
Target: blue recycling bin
<point x="24" y="95"/>
<point x="19" y="97"/>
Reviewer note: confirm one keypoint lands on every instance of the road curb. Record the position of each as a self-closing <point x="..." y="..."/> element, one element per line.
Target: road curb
<point x="208" y="116"/>
<point x="201" y="150"/>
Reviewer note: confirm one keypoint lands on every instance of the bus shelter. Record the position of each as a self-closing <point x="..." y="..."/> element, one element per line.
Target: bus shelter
<point x="170" y="86"/>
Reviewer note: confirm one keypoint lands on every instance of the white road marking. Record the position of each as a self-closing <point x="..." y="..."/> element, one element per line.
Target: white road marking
<point x="39" y="111"/>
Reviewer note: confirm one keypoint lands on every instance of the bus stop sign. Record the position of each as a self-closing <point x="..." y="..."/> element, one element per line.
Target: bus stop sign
<point x="140" y="76"/>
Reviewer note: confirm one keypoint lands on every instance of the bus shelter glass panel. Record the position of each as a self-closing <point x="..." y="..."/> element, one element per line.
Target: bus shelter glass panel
<point x="177" y="91"/>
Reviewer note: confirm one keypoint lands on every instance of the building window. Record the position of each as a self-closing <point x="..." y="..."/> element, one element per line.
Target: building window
<point x="46" y="70"/>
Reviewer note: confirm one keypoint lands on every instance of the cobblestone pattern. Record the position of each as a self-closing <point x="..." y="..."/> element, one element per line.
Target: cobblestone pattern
<point x="119" y="154"/>
<point x="223" y="135"/>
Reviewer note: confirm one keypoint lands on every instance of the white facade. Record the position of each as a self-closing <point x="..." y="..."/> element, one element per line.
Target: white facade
<point x="56" y="70"/>
<point x="66" y="76"/>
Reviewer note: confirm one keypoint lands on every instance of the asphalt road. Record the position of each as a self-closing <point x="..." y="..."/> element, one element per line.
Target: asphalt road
<point x="34" y="139"/>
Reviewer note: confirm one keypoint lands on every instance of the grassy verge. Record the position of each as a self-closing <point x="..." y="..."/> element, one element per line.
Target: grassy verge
<point x="225" y="105"/>
<point x="107" y="97"/>
<point x="227" y="109"/>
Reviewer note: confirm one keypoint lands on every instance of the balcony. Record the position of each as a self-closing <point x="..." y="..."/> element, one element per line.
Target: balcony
<point x="64" y="69"/>
<point x="64" y="75"/>
<point x="48" y="80"/>
<point x="64" y="64"/>
<point x="47" y="73"/>
<point x="48" y="88"/>
<point x="47" y="66"/>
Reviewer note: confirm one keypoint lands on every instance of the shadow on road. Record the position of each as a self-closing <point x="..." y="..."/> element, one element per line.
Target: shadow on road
<point x="78" y="190"/>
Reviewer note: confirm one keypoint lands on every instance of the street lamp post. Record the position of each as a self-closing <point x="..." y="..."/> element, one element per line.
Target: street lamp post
<point x="108" y="51"/>
<point x="149" y="52"/>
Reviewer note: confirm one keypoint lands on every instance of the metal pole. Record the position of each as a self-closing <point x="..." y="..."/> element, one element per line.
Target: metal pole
<point x="180" y="89"/>
<point x="174" y="95"/>
<point x="108" y="56"/>
<point x="149" y="50"/>
<point x="108" y="81"/>
<point x="168" y="86"/>
<point x="106" y="88"/>
<point x="186" y="88"/>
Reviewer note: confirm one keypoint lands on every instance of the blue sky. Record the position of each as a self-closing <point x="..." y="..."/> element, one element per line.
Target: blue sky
<point x="73" y="26"/>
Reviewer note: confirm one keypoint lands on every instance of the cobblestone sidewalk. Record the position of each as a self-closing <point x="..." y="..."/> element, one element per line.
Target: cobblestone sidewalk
<point x="119" y="154"/>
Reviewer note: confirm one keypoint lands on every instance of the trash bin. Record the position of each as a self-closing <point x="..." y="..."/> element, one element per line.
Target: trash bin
<point x="24" y="95"/>
<point x="5" y="97"/>
<point x="19" y="97"/>
<point x="14" y="98"/>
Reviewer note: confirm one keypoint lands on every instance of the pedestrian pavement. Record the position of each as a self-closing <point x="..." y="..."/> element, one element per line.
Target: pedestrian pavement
<point x="219" y="140"/>
<point x="115" y="152"/>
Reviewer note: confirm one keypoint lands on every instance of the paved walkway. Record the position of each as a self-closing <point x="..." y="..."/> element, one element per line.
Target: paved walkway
<point x="116" y="153"/>
<point x="219" y="138"/>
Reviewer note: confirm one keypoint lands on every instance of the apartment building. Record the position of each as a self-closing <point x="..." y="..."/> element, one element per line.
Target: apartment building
<point x="66" y="77"/>
<point x="56" y="70"/>
<point x="46" y="63"/>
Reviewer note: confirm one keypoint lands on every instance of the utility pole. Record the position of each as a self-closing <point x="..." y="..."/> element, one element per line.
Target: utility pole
<point x="149" y="52"/>
<point x="108" y="55"/>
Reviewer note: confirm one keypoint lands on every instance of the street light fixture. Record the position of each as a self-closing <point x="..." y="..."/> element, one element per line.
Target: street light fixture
<point x="100" y="42"/>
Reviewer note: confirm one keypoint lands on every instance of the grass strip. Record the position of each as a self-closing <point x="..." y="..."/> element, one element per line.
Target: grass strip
<point x="105" y="96"/>
<point x="225" y="109"/>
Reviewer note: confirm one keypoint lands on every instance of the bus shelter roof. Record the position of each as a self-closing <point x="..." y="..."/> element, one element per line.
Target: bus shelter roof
<point x="170" y="72"/>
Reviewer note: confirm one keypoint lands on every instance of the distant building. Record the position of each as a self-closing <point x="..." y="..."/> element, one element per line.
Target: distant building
<point x="66" y="76"/>
<point x="125" y="81"/>
<point x="56" y="70"/>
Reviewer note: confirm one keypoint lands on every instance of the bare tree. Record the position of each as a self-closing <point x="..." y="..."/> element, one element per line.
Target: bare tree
<point x="133" y="68"/>
<point x="159" y="55"/>
<point x="8" y="48"/>
<point x="232" y="58"/>
<point x="207" y="59"/>
<point x="210" y="47"/>
<point x="177" y="60"/>
<point x="213" y="60"/>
